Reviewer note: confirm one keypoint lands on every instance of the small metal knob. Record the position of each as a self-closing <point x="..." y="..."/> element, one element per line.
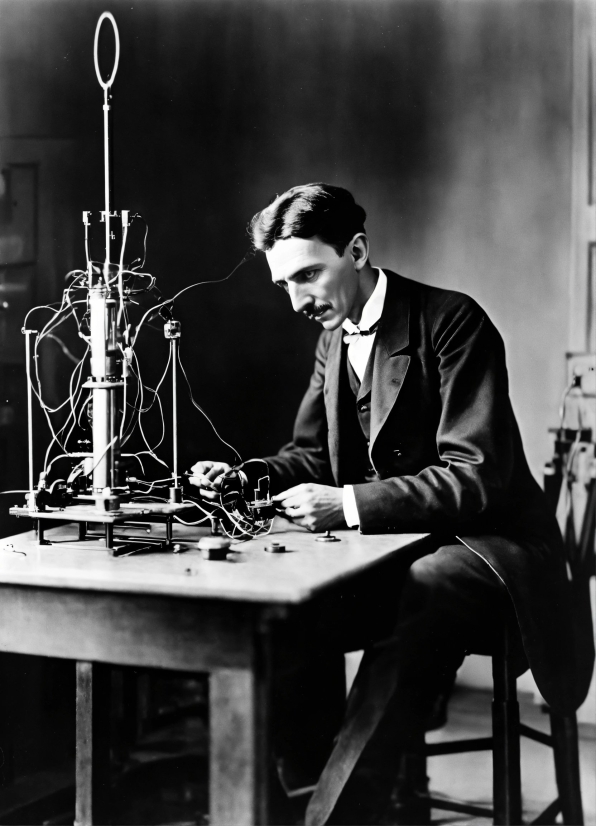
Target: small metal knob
<point x="328" y="537"/>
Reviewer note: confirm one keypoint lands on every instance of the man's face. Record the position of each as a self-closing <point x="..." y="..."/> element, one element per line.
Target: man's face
<point x="321" y="284"/>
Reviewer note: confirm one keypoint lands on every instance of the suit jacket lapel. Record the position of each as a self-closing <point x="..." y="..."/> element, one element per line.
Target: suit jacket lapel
<point x="331" y="391"/>
<point x="390" y="368"/>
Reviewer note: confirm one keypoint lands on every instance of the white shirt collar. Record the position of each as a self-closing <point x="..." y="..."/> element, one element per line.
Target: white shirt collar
<point x="373" y="308"/>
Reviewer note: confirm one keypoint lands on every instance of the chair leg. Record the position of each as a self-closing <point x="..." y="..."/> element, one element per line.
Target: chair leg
<point x="566" y="754"/>
<point x="507" y="801"/>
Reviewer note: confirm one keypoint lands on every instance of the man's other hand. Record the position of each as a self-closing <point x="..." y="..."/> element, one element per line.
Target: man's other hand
<point x="316" y="507"/>
<point x="207" y="477"/>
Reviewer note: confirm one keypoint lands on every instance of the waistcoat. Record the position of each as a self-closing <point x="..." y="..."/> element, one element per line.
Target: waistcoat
<point x="356" y="432"/>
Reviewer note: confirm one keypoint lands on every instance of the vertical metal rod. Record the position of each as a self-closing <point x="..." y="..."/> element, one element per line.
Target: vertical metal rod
<point x="106" y="162"/>
<point x="174" y="347"/>
<point x="28" y="333"/>
<point x="41" y="540"/>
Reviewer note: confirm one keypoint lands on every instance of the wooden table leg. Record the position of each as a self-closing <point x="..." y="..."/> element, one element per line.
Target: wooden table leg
<point x="238" y="787"/>
<point x="93" y="745"/>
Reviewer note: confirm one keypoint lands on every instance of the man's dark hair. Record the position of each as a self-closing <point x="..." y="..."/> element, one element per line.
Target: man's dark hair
<point x="329" y="212"/>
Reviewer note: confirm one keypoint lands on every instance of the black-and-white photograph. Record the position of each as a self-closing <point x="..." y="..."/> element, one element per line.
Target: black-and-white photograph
<point x="297" y="412"/>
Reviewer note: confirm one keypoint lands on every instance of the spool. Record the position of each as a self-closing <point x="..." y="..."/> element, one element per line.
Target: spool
<point x="215" y="548"/>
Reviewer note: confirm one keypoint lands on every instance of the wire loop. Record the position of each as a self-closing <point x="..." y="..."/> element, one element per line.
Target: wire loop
<point x="106" y="84"/>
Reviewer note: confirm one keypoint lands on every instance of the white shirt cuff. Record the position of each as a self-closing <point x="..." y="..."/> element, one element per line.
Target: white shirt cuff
<point x="350" y="509"/>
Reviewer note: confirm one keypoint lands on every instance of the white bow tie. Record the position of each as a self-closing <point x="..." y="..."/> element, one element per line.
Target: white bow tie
<point x="349" y="338"/>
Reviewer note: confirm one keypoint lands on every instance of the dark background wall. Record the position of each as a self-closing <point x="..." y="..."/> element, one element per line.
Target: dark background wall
<point x="449" y="120"/>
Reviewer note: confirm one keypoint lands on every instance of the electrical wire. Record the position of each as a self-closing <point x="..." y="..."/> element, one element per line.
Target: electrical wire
<point x="247" y="527"/>
<point x="151" y="310"/>
<point x="198" y="522"/>
<point x="120" y="270"/>
<point x="102" y="454"/>
<point x="63" y="347"/>
<point x="73" y="398"/>
<point x="150" y="450"/>
<point x="157" y="483"/>
<point x="129" y="280"/>
<point x="55" y="459"/>
<point x="190" y="524"/>
<point x="200" y="409"/>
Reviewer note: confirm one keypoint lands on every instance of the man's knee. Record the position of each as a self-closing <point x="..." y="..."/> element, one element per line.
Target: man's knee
<point x="454" y="587"/>
<point x="433" y="577"/>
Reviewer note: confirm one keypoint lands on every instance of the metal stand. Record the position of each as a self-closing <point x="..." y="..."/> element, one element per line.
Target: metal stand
<point x="101" y="492"/>
<point x="172" y="331"/>
<point x="28" y="334"/>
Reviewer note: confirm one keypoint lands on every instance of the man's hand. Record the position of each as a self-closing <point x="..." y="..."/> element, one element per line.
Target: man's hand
<point x="316" y="507"/>
<point x="207" y="477"/>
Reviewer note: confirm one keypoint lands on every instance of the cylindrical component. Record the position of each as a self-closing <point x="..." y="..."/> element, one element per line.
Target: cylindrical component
<point x="102" y="310"/>
<point x="275" y="548"/>
<point x="101" y="439"/>
<point x="214" y="547"/>
<point x="98" y="327"/>
<point x="109" y="501"/>
<point x="112" y="452"/>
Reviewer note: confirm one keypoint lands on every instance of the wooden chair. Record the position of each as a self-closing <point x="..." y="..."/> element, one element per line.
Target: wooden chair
<point x="505" y="746"/>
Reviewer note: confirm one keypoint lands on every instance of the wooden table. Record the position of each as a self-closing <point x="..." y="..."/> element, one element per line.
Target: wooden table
<point x="238" y="620"/>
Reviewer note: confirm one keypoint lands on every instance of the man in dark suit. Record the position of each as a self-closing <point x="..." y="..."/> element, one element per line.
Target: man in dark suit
<point x="407" y="426"/>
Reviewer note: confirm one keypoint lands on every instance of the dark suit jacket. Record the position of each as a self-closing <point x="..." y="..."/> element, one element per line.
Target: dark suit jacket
<point x="447" y="449"/>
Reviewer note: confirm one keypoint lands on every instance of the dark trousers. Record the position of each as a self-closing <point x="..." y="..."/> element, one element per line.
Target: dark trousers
<point x="441" y="603"/>
<point x="451" y="603"/>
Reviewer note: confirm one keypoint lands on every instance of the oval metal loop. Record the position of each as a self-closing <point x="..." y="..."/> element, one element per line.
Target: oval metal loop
<point x="105" y="84"/>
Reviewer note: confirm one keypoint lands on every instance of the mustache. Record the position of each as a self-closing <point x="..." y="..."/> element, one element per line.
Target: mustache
<point x="316" y="310"/>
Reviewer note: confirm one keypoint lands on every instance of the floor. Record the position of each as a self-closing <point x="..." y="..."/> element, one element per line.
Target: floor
<point x="468" y="777"/>
<point x="166" y="779"/>
<point x="168" y="783"/>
